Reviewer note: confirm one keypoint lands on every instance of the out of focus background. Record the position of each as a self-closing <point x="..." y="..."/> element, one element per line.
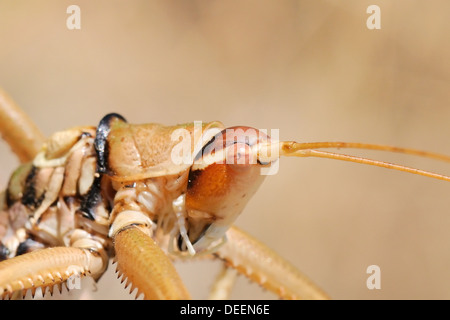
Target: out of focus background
<point x="311" y="69"/>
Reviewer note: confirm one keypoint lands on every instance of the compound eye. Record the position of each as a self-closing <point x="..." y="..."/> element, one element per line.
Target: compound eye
<point x="240" y="153"/>
<point x="232" y="146"/>
<point x="245" y="135"/>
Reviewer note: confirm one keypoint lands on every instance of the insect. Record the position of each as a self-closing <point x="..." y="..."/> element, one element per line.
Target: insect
<point x="144" y="195"/>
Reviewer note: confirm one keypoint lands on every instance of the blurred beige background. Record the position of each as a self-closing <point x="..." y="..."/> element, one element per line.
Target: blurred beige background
<point x="311" y="69"/>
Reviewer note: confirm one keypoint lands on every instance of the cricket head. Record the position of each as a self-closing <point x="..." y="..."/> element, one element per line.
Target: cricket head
<point x="224" y="176"/>
<point x="229" y="170"/>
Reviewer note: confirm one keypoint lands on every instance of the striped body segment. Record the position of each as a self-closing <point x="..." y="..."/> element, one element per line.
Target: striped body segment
<point x="48" y="202"/>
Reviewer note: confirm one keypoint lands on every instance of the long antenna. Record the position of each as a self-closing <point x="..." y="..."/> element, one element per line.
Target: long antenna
<point x="365" y="146"/>
<point x="271" y="151"/>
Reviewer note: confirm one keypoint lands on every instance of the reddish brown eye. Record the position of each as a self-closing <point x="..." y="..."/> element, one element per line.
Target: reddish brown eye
<point x="241" y="134"/>
<point x="234" y="145"/>
<point x="240" y="153"/>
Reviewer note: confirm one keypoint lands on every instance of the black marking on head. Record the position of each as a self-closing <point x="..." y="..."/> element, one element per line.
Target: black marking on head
<point x="92" y="199"/>
<point x="101" y="140"/>
<point x="27" y="246"/>
<point x="29" y="193"/>
<point x="193" y="175"/>
<point x="208" y="145"/>
<point x="4" y="252"/>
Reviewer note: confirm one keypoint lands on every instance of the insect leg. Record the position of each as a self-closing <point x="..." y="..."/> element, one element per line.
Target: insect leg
<point x="223" y="284"/>
<point x="18" y="130"/>
<point x="146" y="266"/>
<point x="47" y="267"/>
<point x="264" y="266"/>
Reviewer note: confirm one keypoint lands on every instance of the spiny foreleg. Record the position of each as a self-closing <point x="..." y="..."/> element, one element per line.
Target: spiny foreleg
<point x="48" y="267"/>
<point x="266" y="267"/>
<point x="146" y="266"/>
